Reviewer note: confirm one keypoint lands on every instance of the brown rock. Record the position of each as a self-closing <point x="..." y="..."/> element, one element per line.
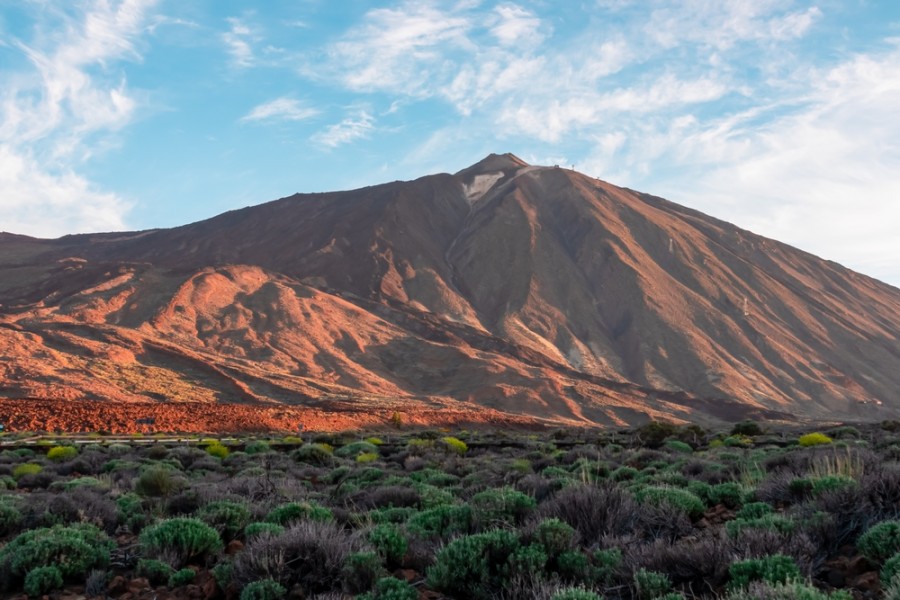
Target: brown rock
<point x="116" y="585"/>
<point x="867" y="582"/>
<point x="233" y="547"/>
<point x="858" y="565"/>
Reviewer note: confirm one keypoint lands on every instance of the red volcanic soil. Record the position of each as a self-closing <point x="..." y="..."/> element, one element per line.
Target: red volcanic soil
<point x="30" y="414"/>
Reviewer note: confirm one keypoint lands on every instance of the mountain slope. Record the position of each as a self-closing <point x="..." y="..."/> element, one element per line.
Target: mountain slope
<point x="535" y="291"/>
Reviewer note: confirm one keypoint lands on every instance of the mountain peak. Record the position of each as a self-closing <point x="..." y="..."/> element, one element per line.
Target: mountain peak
<point x="493" y="163"/>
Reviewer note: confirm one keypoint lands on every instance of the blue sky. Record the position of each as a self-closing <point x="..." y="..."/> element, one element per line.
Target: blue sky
<point x="780" y="116"/>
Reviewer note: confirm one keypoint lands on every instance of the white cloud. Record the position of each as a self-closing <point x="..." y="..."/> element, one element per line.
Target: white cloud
<point x="281" y="109"/>
<point x="516" y="26"/>
<point x="349" y="130"/>
<point x="49" y="113"/>
<point x="238" y="41"/>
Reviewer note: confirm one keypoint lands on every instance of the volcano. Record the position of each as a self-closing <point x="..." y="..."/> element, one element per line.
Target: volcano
<point x="506" y="292"/>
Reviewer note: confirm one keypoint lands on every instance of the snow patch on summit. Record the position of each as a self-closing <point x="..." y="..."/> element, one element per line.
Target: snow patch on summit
<point x="480" y="186"/>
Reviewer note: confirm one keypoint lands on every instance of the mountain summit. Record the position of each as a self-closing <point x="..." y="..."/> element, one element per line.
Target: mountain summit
<point x="503" y="289"/>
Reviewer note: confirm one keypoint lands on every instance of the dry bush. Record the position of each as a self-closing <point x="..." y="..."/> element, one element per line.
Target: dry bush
<point x="594" y="511"/>
<point x="311" y="554"/>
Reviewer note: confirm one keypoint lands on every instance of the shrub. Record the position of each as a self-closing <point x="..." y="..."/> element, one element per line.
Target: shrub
<point x="62" y="453"/>
<point x="575" y="594"/>
<point x="361" y="571"/>
<point x="794" y="590"/>
<point x="738" y="441"/>
<point x="298" y="511"/>
<point x="367" y="457"/>
<point x="606" y="563"/>
<point x="455" y="445"/>
<point x="26" y="469"/>
<point x="218" y="450"/>
<point x="754" y="510"/>
<point x="74" y="550"/>
<point x="316" y="454"/>
<point x="228" y="517"/>
<point x="10" y="517"/>
<point x="255" y="529"/>
<point x="679" y="446"/>
<point x="500" y="505"/>
<point x="390" y="588"/>
<point x="265" y="589"/>
<point x="573" y="566"/>
<point x="156" y="571"/>
<point x="769" y="522"/>
<point x="593" y="511"/>
<point x="257" y="447"/>
<point x="180" y="539"/>
<point x="527" y="560"/>
<point x="890" y="570"/>
<point x="157" y="481"/>
<point x="354" y="449"/>
<point x="310" y="553"/>
<point x="650" y="584"/>
<point x="813" y="439"/>
<point x="473" y="566"/>
<point x="881" y="541"/>
<point x="748" y="428"/>
<point x="441" y="521"/>
<point x="555" y="536"/>
<point x="730" y="493"/>
<point x="181" y="577"/>
<point x="683" y="500"/>
<point x="776" y="568"/>
<point x="41" y="580"/>
<point x="389" y="541"/>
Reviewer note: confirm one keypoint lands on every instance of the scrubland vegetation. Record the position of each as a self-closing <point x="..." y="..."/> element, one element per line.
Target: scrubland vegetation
<point x="655" y="513"/>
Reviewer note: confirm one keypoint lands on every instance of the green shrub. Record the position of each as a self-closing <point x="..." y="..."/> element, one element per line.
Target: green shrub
<point x="180" y="539"/>
<point x="389" y="542"/>
<point x="223" y="573"/>
<point x="555" y="536"/>
<point x="794" y="590"/>
<point x="292" y="439"/>
<point x="10" y="517"/>
<point x="441" y="521"/>
<point x="354" y="449"/>
<point x="367" y="457"/>
<point x="473" y="566"/>
<point x="375" y="441"/>
<point x="775" y="568"/>
<point x="255" y="529"/>
<point x="298" y="511"/>
<point x="316" y="454"/>
<point x="156" y="571"/>
<point x="683" y="500"/>
<point x="527" y="560"/>
<point x="41" y="580"/>
<point x="754" y="510"/>
<point x="495" y="506"/>
<point x="266" y="589"/>
<point x="881" y="541"/>
<point x="181" y="577"/>
<point x="26" y="469"/>
<point x="218" y="450"/>
<point x="813" y="439"/>
<point x="650" y="584"/>
<point x="455" y="445"/>
<point x="73" y="549"/>
<point x="624" y="473"/>
<point x="748" y="428"/>
<point x="890" y="570"/>
<point x="62" y="453"/>
<point x="361" y="571"/>
<point x="606" y="564"/>
<point x="730" y="493"/>
<point x="830" y="483"/>
<point x="679" y="446"/>
<point x="573" y="566"/>
<point x="575" y="594"/>
<point x="157" y="481"/>
<point x="770" y="522"/>
<point x="390" y="588"/>
<point x="257" y="447"/>
<point x="227" y="516"/>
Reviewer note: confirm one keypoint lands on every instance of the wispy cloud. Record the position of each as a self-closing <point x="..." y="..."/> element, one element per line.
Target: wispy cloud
<point x="280" y="109"/>
<point x="48" y="114"/>
<point x="238" y="41"/>
<point x="354" y="127"/>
